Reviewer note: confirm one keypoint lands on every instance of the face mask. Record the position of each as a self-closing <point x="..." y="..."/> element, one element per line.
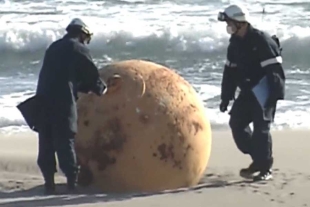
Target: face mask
<point x="229" y="30"/>
<point x="87" y="40"/>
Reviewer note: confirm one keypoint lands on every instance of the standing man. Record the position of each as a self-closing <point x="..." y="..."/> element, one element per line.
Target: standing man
<point x="254" y="64"/>
<point x="67" y="68"/>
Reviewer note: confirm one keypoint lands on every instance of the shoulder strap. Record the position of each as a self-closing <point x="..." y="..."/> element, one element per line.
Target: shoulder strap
<point x="276" y="39"/>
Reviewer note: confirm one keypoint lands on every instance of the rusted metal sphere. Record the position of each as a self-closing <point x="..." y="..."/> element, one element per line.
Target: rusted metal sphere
<point x="148" y="133"/>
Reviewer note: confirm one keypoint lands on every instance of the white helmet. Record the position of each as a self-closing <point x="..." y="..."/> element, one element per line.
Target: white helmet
<point x="235" y="13"/>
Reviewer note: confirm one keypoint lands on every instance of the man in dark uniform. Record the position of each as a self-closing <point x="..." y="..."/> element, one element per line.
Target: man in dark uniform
<point x="254" y="65"/>
<point x="67" y="68"/>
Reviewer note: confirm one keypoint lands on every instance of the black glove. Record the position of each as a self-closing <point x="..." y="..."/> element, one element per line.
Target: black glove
<point x="223" y="106"/>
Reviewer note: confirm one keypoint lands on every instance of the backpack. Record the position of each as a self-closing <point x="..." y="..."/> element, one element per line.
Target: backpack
<point x="276" y="39"/>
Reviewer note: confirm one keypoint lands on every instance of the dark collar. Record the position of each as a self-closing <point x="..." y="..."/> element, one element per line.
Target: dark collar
<point x="66" y="36"/>
<point x="249" y="31"/>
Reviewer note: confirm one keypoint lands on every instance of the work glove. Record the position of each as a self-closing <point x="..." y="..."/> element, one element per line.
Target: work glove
<point x="223" y="106"/>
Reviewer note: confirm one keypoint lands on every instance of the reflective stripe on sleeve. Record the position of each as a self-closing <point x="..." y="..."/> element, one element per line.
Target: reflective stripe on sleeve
<point x="271" y="61"/>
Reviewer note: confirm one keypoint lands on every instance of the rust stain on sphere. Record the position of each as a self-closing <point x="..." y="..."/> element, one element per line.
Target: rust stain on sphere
<point x="149" y="132"/>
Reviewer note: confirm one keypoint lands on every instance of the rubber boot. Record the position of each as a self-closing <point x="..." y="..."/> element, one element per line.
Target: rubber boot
<point x="71" y="183"/>
<point x="49" y="185"/>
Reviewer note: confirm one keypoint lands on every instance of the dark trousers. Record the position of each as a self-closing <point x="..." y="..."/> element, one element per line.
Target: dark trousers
<point x="55" y="139"/>
<point x="256" y="143"/>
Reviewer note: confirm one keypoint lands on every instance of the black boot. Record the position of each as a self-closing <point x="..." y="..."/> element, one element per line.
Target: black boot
<point x="49" y="186"/>
<point x="263" y="176"/>
<point x="265" y="171"/>
<point x="249" y="172"/>
<point x="72" y="183"/>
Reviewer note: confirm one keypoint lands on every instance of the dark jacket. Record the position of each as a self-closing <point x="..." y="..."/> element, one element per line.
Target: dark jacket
<point x="249" y="59"/>
<point x="67" y="68"/>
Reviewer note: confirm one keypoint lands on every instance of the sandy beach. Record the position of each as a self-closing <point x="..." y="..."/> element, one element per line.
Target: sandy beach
<point x="21" y="181"/>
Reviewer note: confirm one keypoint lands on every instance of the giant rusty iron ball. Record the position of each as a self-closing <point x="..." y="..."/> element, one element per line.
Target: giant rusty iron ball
<point x="148" y="133"/>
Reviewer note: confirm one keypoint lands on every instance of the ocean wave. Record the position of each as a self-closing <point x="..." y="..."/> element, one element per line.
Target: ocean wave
<point x="178" y="33"/>
<point x="290" y="114"/>
<point x="150" y="39"/>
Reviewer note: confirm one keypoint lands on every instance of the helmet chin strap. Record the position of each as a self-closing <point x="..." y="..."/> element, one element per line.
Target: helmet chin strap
<point x="238" y="27"/>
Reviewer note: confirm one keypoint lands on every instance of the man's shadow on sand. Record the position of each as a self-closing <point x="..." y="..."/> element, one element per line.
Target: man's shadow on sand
<point x="24" y="198"/>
